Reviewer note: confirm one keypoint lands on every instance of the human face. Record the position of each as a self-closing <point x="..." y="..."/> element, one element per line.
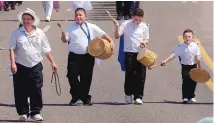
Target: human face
<point x="80" y="17"/>
<point x="188" y="37"/>
<point x="27" y="20"/>
<point x="137" y="20"/>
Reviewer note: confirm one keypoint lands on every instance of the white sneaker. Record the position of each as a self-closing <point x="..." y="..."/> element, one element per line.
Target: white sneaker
<point x="37" y="117"/>
<point x="185" y="100"/>
<point x="48" y="18"/>
<point x="128" y="99"/>
<point x="23" y="118"/>
<point x="192" y="100"/>
<point x="138" y="101"/>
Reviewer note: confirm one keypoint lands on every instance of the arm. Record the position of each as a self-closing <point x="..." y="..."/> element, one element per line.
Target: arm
<point x="198" y="61"/>
<point x="12" y="46"/>
<point x="145" y="37"/>
<point x="46" y="49"/>
<point x="108" y="38"/>
<point x="116" y="33"/>
<point x="50" y="57"/>
<point x="171" y="57"/>
<point x="198" y="57"/>
<point x="12" y="57"/>
<point x="118" y="30"/>
<point x="176" y="53"/>
<point x="100" y="33"/>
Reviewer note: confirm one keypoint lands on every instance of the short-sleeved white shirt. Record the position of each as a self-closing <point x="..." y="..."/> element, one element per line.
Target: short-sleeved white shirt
<point x="187" y="53"/>
<point x="133" y="35"/>
<point x="29" y="48"/>
<point x="78" y="41"/>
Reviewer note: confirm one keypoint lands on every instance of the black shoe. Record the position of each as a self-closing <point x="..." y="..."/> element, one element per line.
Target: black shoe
<point x="119" y="17"/>
<point x="73" y="101"/>
<point x="87" y="101"/>
<point x="13" y="7"/>
<point x="6" y="9"/>
<point x="19" y="4"/>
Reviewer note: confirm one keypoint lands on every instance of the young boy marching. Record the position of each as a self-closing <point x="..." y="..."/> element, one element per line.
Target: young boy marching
<point x="80" y="62"/>
<point x="136" y="35"/>
<point x="189" y="57"/>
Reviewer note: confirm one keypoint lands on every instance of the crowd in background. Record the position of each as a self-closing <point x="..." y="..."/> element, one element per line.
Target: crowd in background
<point x="5" y="5"/>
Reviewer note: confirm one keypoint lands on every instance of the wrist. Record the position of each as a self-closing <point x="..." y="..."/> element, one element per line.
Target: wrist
<point x="13" y="63"/>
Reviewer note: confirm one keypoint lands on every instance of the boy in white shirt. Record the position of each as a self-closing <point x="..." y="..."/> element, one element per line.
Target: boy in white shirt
<point x="80" y="62"/>
<point x="189" y="56"/>
<point x="136" y="35"/>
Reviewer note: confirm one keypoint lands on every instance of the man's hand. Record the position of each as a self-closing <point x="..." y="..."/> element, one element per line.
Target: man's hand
<point x="54" y="67"/>
<point x="13" y="68"/>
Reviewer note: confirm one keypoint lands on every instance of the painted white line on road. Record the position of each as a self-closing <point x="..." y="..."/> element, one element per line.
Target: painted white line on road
<point x="46" y="28"/>
<point x="68" y="10"/>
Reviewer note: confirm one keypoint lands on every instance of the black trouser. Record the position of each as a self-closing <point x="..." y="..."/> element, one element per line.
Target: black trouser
<point x="80" y="66"/>
<point x="19" y="2"/>
<point x="135" y="76"/>
<point x="9" y="3"/>
<point x="188" y="85"/>
<point x="28" y="83"/>
<point x="123" y="10"/>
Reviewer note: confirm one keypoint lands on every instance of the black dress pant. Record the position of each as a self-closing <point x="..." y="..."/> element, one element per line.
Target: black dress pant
<point x="123" y="10"/>
<point x="28" y="83"/>
<point x="19" y="2"/>
<point x="188" y="85"/>
<point x="9" y="3"/>
<point x="80" y="66"/>
<point x="135" y="76"/>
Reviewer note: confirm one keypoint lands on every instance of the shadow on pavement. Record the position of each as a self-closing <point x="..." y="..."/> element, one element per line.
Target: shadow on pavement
<point x="116" y="103"/>
<point x="176" y="102"/>
<point x="7" y="105"/>
<point x="110" y="103"/>
<point x="9" y="121"/>
<point x="94" y="103"/>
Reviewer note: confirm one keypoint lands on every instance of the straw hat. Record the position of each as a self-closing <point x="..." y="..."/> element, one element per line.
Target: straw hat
<point x="32" y="13"/>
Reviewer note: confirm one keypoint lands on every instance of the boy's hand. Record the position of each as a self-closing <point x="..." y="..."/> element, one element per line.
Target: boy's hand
<point x="64" y="34"/>
<point x="115" y="23"/>
<point x="163" y="63"/>
<point x="142" y="44"/>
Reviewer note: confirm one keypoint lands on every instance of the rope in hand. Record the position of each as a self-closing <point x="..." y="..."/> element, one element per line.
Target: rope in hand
<point x="56" y="77"/>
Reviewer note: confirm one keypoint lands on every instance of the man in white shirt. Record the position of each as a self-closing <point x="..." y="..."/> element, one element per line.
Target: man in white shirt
<point x="189" y="56"/>
<point x="26" y="46"/>
<point x="136" y="36"/>
<point x="80" y="62"/>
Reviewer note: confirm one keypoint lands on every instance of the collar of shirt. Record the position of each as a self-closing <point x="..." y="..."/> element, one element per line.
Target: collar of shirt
<point x="82" y="24"/>
<point x="22" y="29"/>
<point x="191" y="44"/>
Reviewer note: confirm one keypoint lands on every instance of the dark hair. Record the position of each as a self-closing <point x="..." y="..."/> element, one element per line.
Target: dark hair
<point x="20" y="25"/>
<point x="80" y="9"/>
<point x="188" y="30"/>
<point x="28" y="14"/>
<point x="138" y="12"/>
